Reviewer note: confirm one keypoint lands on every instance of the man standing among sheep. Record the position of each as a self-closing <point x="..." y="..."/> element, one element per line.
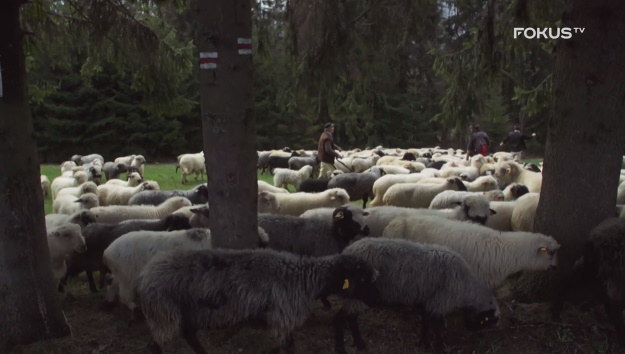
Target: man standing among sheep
<point x="479" y="142"/>
<point x="326" y="152"/>
<point x="516" y="141"/>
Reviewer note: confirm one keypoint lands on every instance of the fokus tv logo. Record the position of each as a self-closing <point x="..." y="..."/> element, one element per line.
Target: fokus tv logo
<point x="547" y="32"/>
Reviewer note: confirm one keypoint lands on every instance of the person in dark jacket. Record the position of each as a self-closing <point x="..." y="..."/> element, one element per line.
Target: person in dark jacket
<point x="515" y="141"/>
<point x="479" y="142"/>
<point x="326" y="151"/>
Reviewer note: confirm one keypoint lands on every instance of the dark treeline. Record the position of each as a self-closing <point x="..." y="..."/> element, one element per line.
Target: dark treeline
<point x="401" y="73"/>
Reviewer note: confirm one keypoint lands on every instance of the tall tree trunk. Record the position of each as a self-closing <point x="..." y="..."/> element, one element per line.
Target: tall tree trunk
<point x="586" y="132"/>
<point x="28" y="301"/>
<point x="228" y="120"/>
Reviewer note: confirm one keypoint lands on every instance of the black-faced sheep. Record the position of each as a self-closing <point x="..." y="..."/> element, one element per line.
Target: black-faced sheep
<point x="185" y="291"/>
<point x="493" y="255"/>
<point x="429" y="278"/>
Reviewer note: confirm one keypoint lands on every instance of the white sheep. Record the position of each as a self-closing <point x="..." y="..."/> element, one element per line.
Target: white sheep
<point x="126" y="160"/>
<point x="81" y="218"/>
<point x="394" y="170"/>
<point x="116" y="213"/>
<point x="45" y="186"/>
<point x="112" y="194"/>
<point x="282" y="177"/>
<point x="128" y="255"/>
<point x="77" y="178"/>
<point x="451" y="198"/>
<point x="67" y="168"/>
<point x="508" y="172"/>
<point x="62" y="242"/>
<point x="191" y="163"/>
<point x="500" y="220"/>
<point x="69" y="204"/>
<point x="266" y="187"/>
<point x="297" y="203"/>
<point x="524" y="213"/>
<point x="87" y="187"/>
<point x="382" y="184"/>
<point x="418" y="195"/>
<point x="492" y="255"/>
<point x="362" y="164"/>
<point x="139" y="163"/>
<point x="134" y="178"/>
<point x="482" y="184"/>
<point x="467" y="173"/>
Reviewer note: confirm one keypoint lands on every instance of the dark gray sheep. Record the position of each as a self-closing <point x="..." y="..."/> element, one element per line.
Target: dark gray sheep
<point x="99" y="236"/>
<point x="197" y="195"/>
<point x="314" y="237"/>
<point x="314" y="185"/>
<point x="357" y="185"/>
<point x="430" y="278"/>
<point x="182" y="292"/>
<point x="114" y="169"/>
<point x="297" y="162"/>
<point x="274" y="161"/>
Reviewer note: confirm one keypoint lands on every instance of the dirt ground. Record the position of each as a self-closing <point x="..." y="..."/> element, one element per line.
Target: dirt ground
<point x="524" y="328"/>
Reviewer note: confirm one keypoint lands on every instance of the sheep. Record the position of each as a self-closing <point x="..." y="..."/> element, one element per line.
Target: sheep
<point x="87" y="187"/>
<point x="508" y="172"/>
<point x="67" y="168"/>
<point x="296" y="203"/>
<point x="112" y="170"/>
<point x="116" y="213"/>
<point x="134" y="178"/>
<point x="45" y="186"/>
<point x="197" y="195"/>
<point x="263" y="159"/>
<point x="93" y="170"/>
<point x="492" y="255"/>
<point x="314" y="236"/>
<point x="315" y="185"/>
<point x="81" y="160"/>
<point x="382" y="184"/>
<point x="432" y="279"/>
<point x="184" y="291"/>
<point x="81" y="218"/>
<point x="138" y="162"/>
<point x="513" y="191"/>
<point x="620" y="194"/>
<point x="62" y="241"/>
<point x="127" y="255"/>
<point x="282" y="177"/>
<point x="419" y="195"/>
<point x="280" y="158"/>
<point x="111" y="194"/>
<point x="394" y="170"/>
<point x="449" y="199"/>
<point x="99" y="236"/>
<point x="524" y="212"/>
<point x="500" y="220"/>
<point x="468" y="173"/>
<point x="126" y="160"/>
<point x="69" y="204"/>
<point x="266" y="187"/>
<point x="358" y="185"/>
<point x="297" y="162"/>
<point x="191" y="163"/>
<point x="362" y="164"/>
<point x="77" y="178"/>
<point x="482" y="184"/>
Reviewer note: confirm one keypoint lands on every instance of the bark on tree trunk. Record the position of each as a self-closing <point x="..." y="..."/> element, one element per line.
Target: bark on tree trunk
<point x="228" y="121"/>
<point x="28" y="300"/>
<point x="586" y="131"/>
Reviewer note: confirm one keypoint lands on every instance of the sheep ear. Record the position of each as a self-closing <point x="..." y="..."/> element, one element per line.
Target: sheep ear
<point x="492" y="212"/>
<point x="79" y="200"/>
<point x="345" y="284"/>
<point x="339" y="216"/>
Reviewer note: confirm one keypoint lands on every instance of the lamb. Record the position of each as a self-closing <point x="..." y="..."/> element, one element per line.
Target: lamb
<point x="197" y="195"/>
<point x="191" y="163"/>
<point x="77" y="178"/>
<point x="81" y="218"/>
<point x="358" y="185"/>
<point x="99" y="236"/>
<point x="419" y="195"/>
<point x="508" y="172"/>
<point x="69" y="204"/>
<point x="524" y="212"/>
<point x="115" y="213"/>
<point x="473" y="209"/>
<point x="110" y="194"/>
<point x="87" y="187"/>
<point x="45" y="186"/>
<point x="134" y="178"/>
<point x="266" y="187"/>
<point x="282" y="177"/>
<point x="62" y="241"/>
<point x="514" y="190"/>
<point x="127" y="256"/>
<point x="184" y="291"/>
<point x="429" y="278"/>
<point x="296" y="203"/>
<point x="492" y="255"/>
<point x="314" y="236"/>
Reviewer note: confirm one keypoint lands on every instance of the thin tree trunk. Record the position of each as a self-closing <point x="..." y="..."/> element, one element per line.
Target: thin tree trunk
<point x="228" y="120"/>
<point x="586" y="132"/>
<point x="28" y="301"/>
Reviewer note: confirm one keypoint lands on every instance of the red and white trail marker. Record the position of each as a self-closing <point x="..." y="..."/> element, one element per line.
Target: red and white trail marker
<point x="208" y="60"/>
<point x="245" y="46"/>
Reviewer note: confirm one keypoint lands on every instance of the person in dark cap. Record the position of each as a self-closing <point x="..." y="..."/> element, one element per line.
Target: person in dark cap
<point x="326" y="151"/>
<point x="515" y="141"/>
<point x="479" y="142"/>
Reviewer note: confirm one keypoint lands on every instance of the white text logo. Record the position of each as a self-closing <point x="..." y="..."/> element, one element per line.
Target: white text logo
<point x="547" y="33"/>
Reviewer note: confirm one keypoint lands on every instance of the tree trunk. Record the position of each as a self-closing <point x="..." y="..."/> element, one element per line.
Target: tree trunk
<point x="586" y="132"/>
<point x="228" y="120"/>
<point x="28" y="301"/>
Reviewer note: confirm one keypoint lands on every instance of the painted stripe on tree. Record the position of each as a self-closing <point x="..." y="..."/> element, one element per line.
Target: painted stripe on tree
<point x="208" y="60"/>
<point x="245" y="46"/>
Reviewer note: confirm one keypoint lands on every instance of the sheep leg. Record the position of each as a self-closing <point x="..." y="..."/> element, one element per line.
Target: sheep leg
<point x="190" y="336"/>
<point x="92" y="286"/>
<point x="365" y="199"/>
<point x="339" y="325"/>
<point x="352" y="321"/>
